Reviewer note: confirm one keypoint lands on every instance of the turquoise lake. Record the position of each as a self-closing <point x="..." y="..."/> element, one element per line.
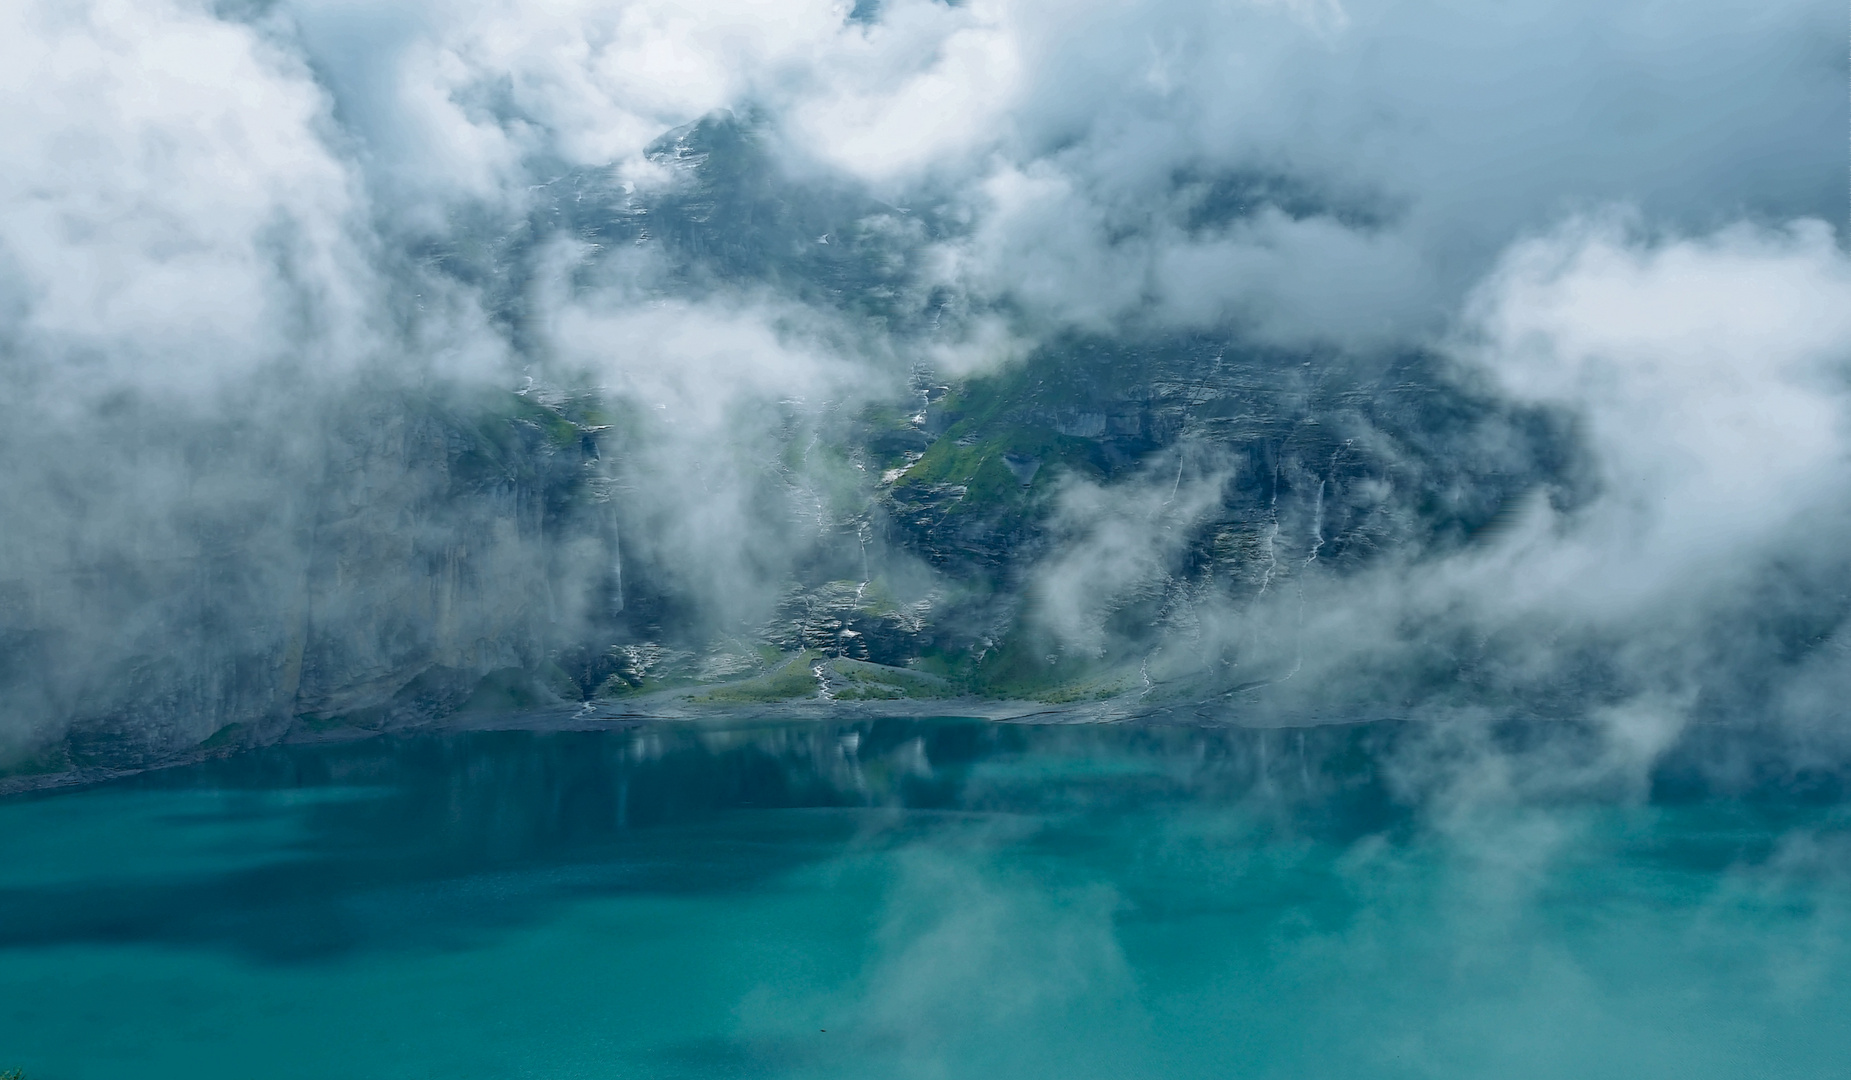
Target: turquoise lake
<point x="910" y="898"/>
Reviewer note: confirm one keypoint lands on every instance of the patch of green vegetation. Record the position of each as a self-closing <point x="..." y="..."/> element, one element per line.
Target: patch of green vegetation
<point x="497" y="436"/>
<point x="980" y="464"/>
<point x="1025" y="667"/>
<point x="1089" y="689"/>
<point x="958" y="668"/>
<point x="618" y="687"/>
<point x="649" y="667"/>
<point x="877" y="597"/>
<point x="1007" y="415"/>
<point x="554" y="678"/>
<point x="792" y="679"/>
<point x="880" y="682"/>
<point x="888" y="435"/>
<point x="871" y="692"/>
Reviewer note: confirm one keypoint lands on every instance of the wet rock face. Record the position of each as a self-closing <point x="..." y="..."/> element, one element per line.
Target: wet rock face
<point x="219" y="582"/>
<point x="729" y="215"/>
<point x="453" y="538"/>
<point x="418" y="545"/>
<point x="851" y="619"/>
<point x="1320" y="460"/>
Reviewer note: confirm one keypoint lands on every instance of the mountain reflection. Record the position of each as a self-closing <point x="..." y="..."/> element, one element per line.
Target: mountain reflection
<point x="299" y="852"/>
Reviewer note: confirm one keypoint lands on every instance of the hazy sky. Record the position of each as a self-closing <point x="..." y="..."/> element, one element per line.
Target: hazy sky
<point x="196" y="185"/>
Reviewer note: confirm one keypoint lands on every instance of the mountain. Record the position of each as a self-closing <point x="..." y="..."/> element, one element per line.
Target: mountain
<point x="1137" y="512"/>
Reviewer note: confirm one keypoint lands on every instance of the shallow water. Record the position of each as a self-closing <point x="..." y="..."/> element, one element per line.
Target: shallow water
<point x="917" y="899"/>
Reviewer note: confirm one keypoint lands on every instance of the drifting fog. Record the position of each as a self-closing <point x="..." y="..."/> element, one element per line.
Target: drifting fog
<point x="232" y="234"/>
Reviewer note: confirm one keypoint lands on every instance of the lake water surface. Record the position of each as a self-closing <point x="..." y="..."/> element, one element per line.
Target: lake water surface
<point x="946" y="899"/>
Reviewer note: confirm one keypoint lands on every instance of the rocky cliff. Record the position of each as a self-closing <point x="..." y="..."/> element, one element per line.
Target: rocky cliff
<point x="1043" y="527"/>
<point x="388" y="568"/>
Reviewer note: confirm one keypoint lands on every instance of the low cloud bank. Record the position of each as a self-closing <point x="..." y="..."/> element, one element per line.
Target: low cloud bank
<point x="1452" y="360"/>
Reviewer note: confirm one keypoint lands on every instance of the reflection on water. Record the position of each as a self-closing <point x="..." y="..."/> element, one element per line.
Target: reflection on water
<point x="935" y="898"/>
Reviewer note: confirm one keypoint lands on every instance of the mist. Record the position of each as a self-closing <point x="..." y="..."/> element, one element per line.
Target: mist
<point x="1268" y="362"/>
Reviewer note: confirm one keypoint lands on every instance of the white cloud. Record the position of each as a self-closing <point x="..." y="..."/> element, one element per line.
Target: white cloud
<point x="169" y="208"/>
<point x="189" y="199"/>
<point x="1416" y="137"/>
<point x="1711" y="380"/>
<point x="1114" y="543"/>
<point x="1711" y="376"/>
<point x="1429" y="133"/>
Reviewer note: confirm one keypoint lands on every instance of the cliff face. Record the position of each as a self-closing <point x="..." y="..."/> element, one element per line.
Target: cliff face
<point x="1308" y="452"/>
<point x="379" y="557"/>
<point x="379" y="570"/>
<point x="1148" y="490"/>
<point x="1226" y="474"/>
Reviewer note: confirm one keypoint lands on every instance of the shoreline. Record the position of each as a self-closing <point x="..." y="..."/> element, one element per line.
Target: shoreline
<point x="662" y="706"/>
<point x="678" y="706"/>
